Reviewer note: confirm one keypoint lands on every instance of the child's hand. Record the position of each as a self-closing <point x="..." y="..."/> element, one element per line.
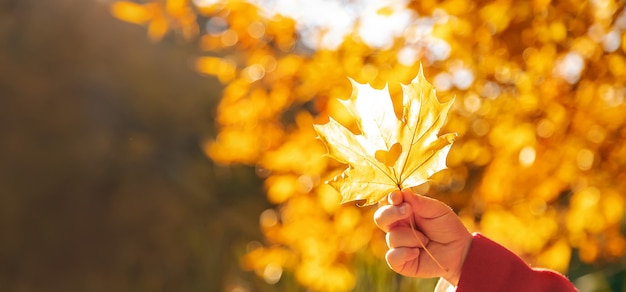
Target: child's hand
<point x="436" y="226"/>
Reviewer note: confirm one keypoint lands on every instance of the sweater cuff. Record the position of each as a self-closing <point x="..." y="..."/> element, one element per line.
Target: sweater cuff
<point x="488" y="266"/>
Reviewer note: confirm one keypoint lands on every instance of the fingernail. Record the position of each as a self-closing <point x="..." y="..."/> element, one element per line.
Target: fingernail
<point x="402" y="209"/>
<point x="395" y="198"/>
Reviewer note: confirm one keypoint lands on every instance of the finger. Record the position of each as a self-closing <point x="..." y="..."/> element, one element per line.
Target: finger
<point x="386" y="216"/>
<point x="398" y="259"/>
<point x="405" y="236"/>
<point x="425" y="207"/>
<point x="395" y="197"/>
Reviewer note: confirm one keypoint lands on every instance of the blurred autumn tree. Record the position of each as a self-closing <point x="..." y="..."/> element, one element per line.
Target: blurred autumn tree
<point x="539" y="163"/>
<point x="103" y="184"/>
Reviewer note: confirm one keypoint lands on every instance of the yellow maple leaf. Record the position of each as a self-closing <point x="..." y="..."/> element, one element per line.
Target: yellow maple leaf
<point x="390" y="152"/>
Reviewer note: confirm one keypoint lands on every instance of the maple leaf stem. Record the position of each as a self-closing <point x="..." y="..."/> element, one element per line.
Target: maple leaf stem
<point x="412" y="221"/>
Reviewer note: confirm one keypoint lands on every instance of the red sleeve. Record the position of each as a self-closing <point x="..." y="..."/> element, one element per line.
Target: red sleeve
<point x="491" y="267"/>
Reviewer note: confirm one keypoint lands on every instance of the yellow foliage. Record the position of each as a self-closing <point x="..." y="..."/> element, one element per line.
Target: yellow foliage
<point x="390" y="152"/>
<point x="131" y="12"/>
<point x="160" y="16"/>
<point x="222" y="69"/>
<point x="540" y="88"/>
<point x="556" y="256"/>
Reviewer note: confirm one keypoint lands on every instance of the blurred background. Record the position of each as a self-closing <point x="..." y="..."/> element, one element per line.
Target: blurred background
<point x="167" y="145"/>
<point x="103" y="182"/>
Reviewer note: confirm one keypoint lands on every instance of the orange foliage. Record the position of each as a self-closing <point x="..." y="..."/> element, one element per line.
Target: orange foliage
<point x="540" y="92"/>
<point x="159" y="16"/>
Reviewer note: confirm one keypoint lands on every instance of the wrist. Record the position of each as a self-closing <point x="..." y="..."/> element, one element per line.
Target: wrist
<point x="454" y="275"/>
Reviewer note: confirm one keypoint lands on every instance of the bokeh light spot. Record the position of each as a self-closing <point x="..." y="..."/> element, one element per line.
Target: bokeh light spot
<point x="584" y="159"/>
<point x="527" y="156"/>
